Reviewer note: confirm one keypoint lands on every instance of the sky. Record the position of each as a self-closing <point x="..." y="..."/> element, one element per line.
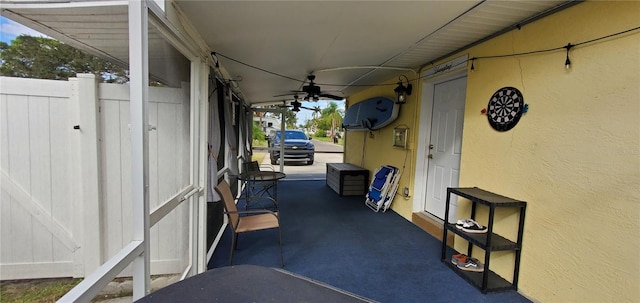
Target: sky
<point x="9" y="30"/>
<point x="304" y="114"/>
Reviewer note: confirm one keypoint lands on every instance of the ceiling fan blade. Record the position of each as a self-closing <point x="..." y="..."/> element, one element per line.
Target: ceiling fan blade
<point x="330" y="96"/>
<point x="311" y="108"/>
<point x="292" y="93"/>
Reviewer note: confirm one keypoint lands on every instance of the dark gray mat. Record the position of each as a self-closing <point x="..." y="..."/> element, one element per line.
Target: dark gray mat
<point x="250" y="283"/>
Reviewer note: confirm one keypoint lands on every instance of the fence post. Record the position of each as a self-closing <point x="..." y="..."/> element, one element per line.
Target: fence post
<point x="84" y="91"/>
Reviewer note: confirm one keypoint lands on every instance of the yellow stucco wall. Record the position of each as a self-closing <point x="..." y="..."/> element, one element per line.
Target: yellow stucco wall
<point x="378" y="145"/>
<point x="574" y="157"/>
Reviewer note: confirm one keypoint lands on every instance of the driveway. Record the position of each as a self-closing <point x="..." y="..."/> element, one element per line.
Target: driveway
<point x="325" y="153"/>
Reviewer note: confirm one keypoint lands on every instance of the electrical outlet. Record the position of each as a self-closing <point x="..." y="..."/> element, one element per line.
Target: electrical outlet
<point x="405" y="191"/>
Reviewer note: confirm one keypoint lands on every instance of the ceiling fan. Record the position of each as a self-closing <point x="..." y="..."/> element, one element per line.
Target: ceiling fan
<point x="296" y="108"/>
<point x="296" y="105"/>
<point x="313" y="91"/>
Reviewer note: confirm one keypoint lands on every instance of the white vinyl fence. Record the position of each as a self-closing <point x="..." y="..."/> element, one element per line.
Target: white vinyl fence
<point x="65" y="204"/>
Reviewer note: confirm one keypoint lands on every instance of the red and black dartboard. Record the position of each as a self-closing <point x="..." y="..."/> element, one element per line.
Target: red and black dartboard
<point x="505" y="108"/>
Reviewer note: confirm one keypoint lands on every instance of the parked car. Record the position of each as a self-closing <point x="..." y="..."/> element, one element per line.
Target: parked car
<point x="297" y="147"/>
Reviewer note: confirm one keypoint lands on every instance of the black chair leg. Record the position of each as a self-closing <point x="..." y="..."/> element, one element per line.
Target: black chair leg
<point x="234" y="243"/>
<point x="280" y="244"/>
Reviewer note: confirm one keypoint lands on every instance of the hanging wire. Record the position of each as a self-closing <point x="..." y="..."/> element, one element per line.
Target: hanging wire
<point x="364" y="145"/>
<point x="215" y="59"/>
<point x="608" y="36"/>
<point x="567" y="47"/>
<point x="258" y="68"/>
<point x="216" y="54"/>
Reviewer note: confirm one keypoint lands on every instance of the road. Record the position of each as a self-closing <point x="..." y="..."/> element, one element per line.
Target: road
<point x="326" y="147"/>
<point x="325" y="153"/>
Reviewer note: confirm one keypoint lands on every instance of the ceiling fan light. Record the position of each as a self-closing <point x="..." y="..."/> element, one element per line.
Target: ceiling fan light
<point x="296" y="106"/>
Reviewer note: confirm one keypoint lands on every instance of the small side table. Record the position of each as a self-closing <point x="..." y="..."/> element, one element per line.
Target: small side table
<point x="261" y="185"/>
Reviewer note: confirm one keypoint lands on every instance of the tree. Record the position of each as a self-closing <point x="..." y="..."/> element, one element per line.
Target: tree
<point x="44" y="58"/>
<point x="258" y="133"/>
<point x="330" y="119"/>
<point x="334" y="116"/>
<point x="290" y="119"/>
<point x="314" y="119"/>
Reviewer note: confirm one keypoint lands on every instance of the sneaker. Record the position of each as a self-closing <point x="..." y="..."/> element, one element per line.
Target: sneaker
<point x="459" y="259"/>
<point x="472" y="264"/>
<point x="474" y="228"/>
<point x="462" y="222"/>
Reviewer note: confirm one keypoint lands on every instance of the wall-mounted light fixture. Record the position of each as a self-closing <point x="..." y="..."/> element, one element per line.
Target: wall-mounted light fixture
<point x="400" y="137"/>
<point x="401" y="91"/>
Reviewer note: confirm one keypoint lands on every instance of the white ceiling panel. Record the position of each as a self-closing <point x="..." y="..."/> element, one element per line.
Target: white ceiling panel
<point x="292" y="38"/>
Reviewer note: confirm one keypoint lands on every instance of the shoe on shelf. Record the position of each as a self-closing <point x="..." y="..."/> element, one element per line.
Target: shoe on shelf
<point x="472" y="264"/>
<point x="459" y="259"/>
<point x="474" y="228"/>
<point x="462" y="222"/>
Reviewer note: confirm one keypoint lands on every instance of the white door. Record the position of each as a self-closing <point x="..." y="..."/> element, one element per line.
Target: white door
<point x="445" y="146"/>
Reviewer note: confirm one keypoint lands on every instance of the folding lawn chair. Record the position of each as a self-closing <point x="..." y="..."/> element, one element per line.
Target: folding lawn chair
<point x="379" y="188"/>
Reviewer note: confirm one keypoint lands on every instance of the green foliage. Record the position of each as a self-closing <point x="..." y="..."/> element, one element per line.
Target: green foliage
<point x="330" y="120"/>
<point x="44" y="290"/>
<point x="44" y="58"/>
<point x="258" y="134"/>
<point x="290" y="119"/>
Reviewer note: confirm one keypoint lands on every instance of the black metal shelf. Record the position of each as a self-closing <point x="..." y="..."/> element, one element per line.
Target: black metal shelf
<point x="495" y="283"/>
<point x="486" y="281"/>
<point x="498" y="242"/>
<point x="485" y="197"/>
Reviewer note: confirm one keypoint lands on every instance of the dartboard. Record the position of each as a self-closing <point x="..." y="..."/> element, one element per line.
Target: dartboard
<point x="505" y="108"/>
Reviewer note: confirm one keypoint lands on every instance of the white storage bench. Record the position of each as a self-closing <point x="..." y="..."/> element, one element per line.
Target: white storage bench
<point x="347" y="179"/>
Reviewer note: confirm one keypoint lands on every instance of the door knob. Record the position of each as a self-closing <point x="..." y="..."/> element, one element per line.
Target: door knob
<point x="430" y="146"/>
<point x="430" y="156"/>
